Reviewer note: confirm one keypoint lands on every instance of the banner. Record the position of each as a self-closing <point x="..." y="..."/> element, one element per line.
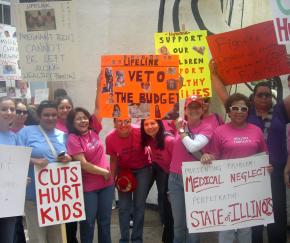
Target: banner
<point x="59" y="193"/>
<point x="227" y="194"/>
<point x="281" y="13"/>
<point x="192" y="48"/>
<point x="47" y="40"/>
<point x="9" y="55"/>
<point x="139" y="86"/>
<point x="14" y="162"/>
<point x="248" y="54"/>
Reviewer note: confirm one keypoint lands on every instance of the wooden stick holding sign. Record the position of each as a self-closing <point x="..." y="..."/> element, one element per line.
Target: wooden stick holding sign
<point x="59" y="194"/>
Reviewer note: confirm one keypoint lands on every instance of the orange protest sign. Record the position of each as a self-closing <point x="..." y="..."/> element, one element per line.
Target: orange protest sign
<point x="138" y="86"/>
<point x="248" y="54"/>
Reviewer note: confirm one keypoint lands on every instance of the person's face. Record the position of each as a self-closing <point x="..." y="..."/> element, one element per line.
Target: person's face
<point x="263" y="98"/>
<point x="7" y="112"/>
<point x="48" y="118"/>
<point x="193" y="112"/>
<point x="81" y="122"/>
<point x="123" y="127"/>
<point x="63" y="109"/>
<point x="21" y="113"/>
<point x="151" y="127"/>
<point x="206" y="105"/>
<point x="238" y="113"/>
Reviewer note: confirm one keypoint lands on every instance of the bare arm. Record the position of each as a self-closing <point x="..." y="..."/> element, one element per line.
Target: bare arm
<point x="113" y="165"/>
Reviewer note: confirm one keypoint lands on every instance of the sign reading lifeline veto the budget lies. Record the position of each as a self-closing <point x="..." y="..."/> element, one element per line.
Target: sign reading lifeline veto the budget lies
<point x="227" y="194"/>
<point x="59" y="193"/>
<point x="248" y="54"/>
<point x="139" y="86"/>
<point x="192" y="48"/>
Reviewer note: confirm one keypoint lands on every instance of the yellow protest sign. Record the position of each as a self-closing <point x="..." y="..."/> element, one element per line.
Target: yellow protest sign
<point x="192" y="48"/>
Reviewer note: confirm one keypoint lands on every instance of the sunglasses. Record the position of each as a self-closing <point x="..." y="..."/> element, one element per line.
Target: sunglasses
<point x="21" y="112"/>
<point x="266" y="95"/>
<point x="123" y="122"/>
<point x="239" y="108"/>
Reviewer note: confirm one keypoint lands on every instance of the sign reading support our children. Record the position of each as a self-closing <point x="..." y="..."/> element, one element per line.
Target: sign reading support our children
<point x="59" y="193"/>
<point x="227" y="194"/>
<point x="248" y="54"/>
<point x="281" y="13"/>
<point x="14" y="162"/>
<point x="9" y="55"/>
<point x="192" y="48"/>
<point x="47" y="40"/>
<point x="139" y="86"/>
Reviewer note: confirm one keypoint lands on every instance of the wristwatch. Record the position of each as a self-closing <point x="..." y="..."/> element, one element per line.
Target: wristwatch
<point x="181" y="130"/>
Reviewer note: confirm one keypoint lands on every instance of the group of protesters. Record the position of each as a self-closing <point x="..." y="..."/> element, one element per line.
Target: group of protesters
<point x="141" y="154"/>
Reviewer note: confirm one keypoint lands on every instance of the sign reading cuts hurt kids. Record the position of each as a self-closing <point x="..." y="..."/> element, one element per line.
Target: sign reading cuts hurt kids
<point x="227" y="194"/>
<point x="59" y="193"/>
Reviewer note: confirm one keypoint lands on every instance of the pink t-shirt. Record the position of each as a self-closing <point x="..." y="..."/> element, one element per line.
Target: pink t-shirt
<point x="214" y="119"/>
<point x="229" y="142"/>
<point x="180" y="154"/>
<point x="128" y="150"/>
<point x="60" y="125"/>
<point x="91" y="146"/>
<point x="169" y="126"/>
<point x="162" y="157"/>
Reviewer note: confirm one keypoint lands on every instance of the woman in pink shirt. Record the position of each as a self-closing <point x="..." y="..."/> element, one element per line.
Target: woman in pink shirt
<point x="84" y="145"/>
<point x="193" y="136"/>
<point x="236" y="139"/>
<point x="161" y="145"/>
<point x="123" y="145"/>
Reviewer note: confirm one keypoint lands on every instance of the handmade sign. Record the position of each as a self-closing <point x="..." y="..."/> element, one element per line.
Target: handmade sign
<point x="139" y="86"/>
<point x="9" y="55"/>
<point x="227" y="194"/>
<point x="59" y="193"/>
<point x="14" y="162"/>
<point x="192" y="48"/>
<point x="47" y="40"/>
<point x="281" y="14"/>
<point x="248" y="54"/>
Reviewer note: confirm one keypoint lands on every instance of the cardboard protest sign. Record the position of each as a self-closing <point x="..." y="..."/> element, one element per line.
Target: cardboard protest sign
<point x="227" y="194"/>
<point x="14" y="162"/>
<point x="40" y="95"/>
<point x="139" y="86"/>
<point x="59" y="193"/>
<point x="192" y="48"/>
<point x="248" y="54"/>
<point x="47" y="40"/>
<point x="281" y="13"/>
<point x="9" y="55"/>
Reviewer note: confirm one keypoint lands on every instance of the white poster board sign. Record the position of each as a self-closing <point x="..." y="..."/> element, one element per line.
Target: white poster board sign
<point x="9" y="55"/>
<point x="281" y="14"/>
<point x="47" y="40"/>
<point x="59" y="193"/>
<point x="228" y="194"/>
<point x="14" y="162"/>
<point x="40" y="95"/>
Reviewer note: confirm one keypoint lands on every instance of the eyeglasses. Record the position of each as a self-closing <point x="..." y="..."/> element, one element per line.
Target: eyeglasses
<point x="264" y="94"/>
<point x="239" y="108"/>
<point x="21" y="112"/>
<point x="123" y="122"/>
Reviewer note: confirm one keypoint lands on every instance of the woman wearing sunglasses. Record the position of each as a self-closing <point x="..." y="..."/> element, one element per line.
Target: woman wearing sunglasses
<point x="21" y="116"/>
<point x="224" y="146"/>
<point x="272" y="121"/>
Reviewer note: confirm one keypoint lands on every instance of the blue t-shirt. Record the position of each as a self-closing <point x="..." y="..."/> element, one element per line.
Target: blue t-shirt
<point x="276" y="141"/>
<point x="8" y="138"/>
<point x="31" y="136"/>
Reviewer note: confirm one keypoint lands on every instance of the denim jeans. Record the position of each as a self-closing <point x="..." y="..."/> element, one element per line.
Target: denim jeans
<point x="7" y="226"/>
<point x="98" y="205"/>
<point x="138" y="200"/>
<point x="242" y="235"/>
<point x="164" y="207"/>
<point x="176" y="194"/>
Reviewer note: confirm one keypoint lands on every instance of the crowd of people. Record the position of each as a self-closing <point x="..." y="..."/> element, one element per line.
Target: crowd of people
<point x="144" y="153"/>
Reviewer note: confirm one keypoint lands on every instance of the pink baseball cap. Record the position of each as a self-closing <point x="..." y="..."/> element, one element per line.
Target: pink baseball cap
<point x="193" y="98"/>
